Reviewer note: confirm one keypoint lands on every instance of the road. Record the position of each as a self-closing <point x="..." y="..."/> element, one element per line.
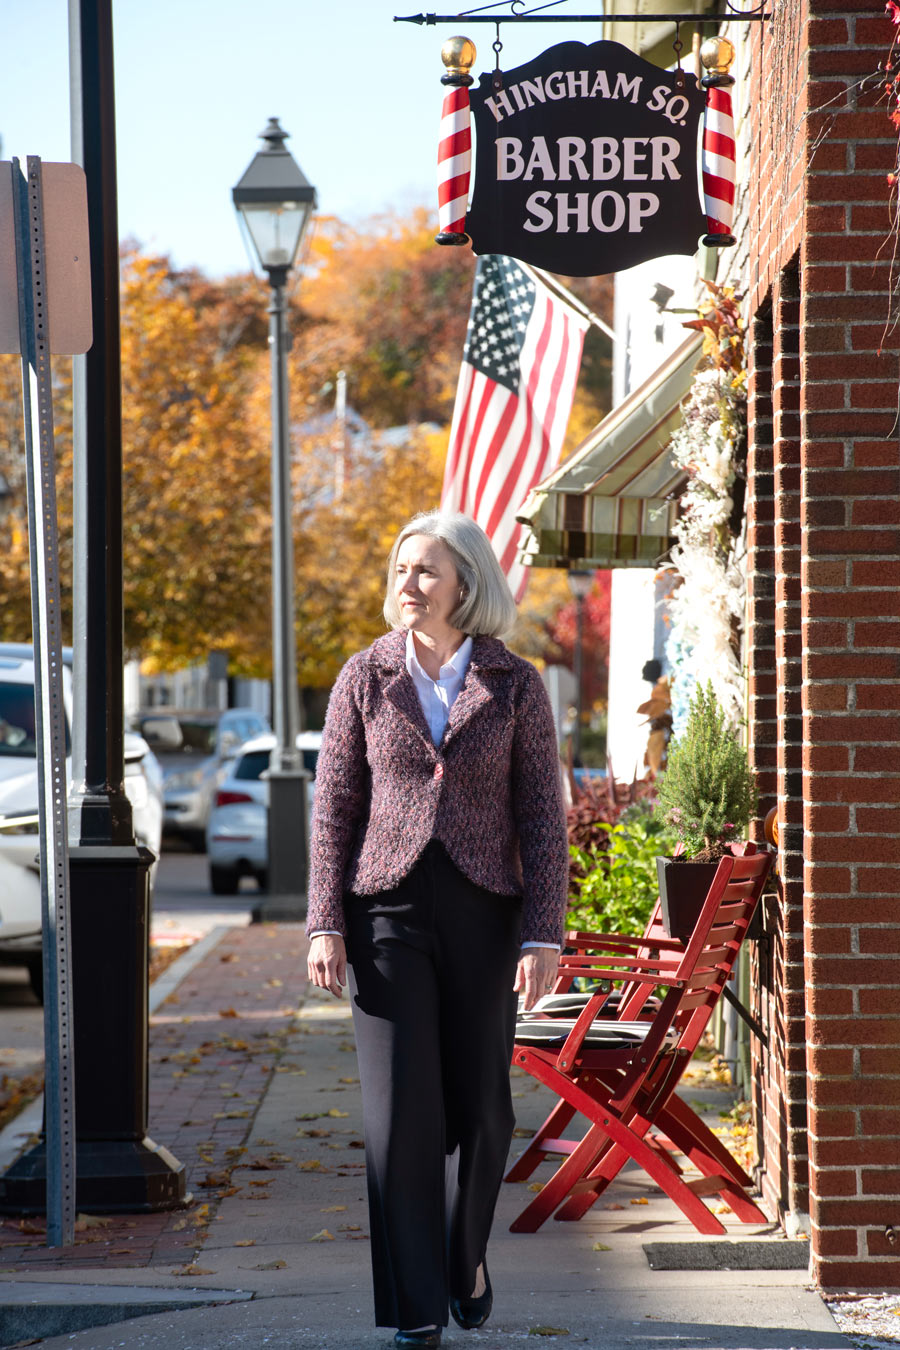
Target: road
<point x="183" y="907"/>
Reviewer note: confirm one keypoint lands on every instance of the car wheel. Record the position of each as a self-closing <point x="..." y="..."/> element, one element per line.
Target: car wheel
<point x="223" y="880"/>
<point x="36" y="977"/>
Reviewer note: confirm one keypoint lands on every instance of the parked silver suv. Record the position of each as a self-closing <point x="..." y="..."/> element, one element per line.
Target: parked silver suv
<point x="194" y="748"/>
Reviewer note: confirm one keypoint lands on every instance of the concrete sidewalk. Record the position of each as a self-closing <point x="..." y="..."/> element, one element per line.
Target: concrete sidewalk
<point x="261" y="1102"/>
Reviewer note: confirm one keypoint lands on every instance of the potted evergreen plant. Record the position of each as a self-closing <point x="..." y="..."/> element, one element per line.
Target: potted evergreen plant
<point x="707" y="796"/>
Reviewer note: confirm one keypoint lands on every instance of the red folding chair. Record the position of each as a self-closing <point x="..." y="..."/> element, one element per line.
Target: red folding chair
<point x="637" y="1002"/>
<point x="678" y="1128"/>
<point x="621" y="1074"/>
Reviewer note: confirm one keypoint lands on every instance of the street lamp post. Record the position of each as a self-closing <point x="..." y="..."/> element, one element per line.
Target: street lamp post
<point x="580" y="584"/>
<point x="274" y="203"/>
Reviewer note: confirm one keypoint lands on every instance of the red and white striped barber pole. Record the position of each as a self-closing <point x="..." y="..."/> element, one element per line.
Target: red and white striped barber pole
<point x="719" y="172"/>
<point x="455" y="147"/>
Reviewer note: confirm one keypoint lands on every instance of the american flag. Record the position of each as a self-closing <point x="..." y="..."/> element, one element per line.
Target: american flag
<point x="516" y="385"/>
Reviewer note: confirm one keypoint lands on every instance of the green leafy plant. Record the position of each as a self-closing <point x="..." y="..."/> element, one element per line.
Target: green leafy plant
<point x="707" y="794"/>
<point x="613" y="885"/>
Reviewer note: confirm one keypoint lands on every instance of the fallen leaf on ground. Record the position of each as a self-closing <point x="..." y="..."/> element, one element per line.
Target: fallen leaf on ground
<point x="229" y="956"/>
<point x="338" y="1115"/>
<point x="521" y="1133"/>
<point x="613" y="1205"/>
<point x="267" y="1182"/>
<point x="356" y="1143"/>
<point x="348" y="1080"/>
<point x="600" y="1247"/>
<point x="313" y="1134"/>
<point x="309" y="1115"/>
<point x="193" y="1270"/>
<point x="639" y="1200"/>
<point x="536" y="1186"/>
<point x="271" y="1265"/>
<point x="311" y="1165"/>
<point x="228" y="1012"/>
<point x="323" y="1235"/>
<point x="246" y="1242"/>
<point x="213" y="1179"/>
<point x="721" y="1208"/>
<point x="334" y="1209"/>
<point x="179" y="1226"/>
<point x="548" y="1331"/>
<point x="83" y="1221"/>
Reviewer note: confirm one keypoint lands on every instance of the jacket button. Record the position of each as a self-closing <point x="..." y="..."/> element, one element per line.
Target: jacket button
<point x="438" y="771"/>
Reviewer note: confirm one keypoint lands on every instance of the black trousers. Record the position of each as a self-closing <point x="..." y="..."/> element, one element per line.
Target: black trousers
<point x="432" y="965"/>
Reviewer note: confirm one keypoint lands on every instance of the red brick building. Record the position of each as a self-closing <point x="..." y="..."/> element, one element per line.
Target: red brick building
<point x="824" y="626"/>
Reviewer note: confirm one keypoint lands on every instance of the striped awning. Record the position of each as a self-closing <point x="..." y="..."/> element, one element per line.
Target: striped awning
<point x="612" y="503"/>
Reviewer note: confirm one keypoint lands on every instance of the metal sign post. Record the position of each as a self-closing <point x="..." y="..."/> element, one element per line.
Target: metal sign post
<point x="23" y="200"/>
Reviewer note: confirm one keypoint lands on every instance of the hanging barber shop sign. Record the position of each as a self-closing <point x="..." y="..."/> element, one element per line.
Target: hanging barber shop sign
<point x="586" y="159"/>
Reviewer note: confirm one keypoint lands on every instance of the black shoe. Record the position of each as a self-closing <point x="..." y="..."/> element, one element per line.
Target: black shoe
<point x="429" y="1339"/>
<point x="473" y="1312"/>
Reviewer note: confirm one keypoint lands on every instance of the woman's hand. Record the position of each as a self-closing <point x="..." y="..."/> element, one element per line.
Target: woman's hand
<point x="327" y="964"/>
<point x="536" y="973"/>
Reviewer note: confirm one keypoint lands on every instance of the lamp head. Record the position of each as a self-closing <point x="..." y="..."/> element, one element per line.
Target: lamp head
<point x="274" y="202"/>
<point x="581" y="582"/>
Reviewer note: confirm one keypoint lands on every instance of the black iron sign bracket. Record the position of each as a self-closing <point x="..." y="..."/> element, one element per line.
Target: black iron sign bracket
<point x="520" y="16"/>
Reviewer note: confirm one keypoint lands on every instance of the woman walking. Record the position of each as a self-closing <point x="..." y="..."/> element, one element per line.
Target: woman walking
<point x="438" y="871"/>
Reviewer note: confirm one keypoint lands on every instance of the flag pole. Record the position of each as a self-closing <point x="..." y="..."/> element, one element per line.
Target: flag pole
<point x="549" y="280"/>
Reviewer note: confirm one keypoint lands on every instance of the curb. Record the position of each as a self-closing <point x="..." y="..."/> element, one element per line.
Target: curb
<point x="31" y="1311"/>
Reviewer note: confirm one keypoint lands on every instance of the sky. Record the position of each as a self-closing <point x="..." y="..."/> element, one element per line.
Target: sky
<point x="197" y="80"/>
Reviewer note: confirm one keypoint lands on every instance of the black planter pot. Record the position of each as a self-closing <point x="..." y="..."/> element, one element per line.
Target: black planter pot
<point x="683" y="886"/>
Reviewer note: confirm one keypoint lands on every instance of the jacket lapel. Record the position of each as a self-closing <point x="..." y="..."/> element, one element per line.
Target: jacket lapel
<point x="473" y="695"/>
<point x="402" y="693"/>
<point x="389" y="654"/>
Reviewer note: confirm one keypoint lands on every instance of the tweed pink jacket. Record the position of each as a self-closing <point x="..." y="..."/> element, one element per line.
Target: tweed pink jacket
<point x="490" y="792"/>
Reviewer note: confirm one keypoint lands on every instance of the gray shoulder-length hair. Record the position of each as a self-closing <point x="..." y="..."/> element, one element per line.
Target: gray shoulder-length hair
<point x="487" y="608"/>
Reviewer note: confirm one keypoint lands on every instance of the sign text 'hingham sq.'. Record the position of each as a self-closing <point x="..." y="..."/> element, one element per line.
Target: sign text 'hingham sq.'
<point x="586" y="161"/>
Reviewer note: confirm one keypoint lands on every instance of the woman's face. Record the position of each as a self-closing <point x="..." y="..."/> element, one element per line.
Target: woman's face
<point x="426" y="585"/>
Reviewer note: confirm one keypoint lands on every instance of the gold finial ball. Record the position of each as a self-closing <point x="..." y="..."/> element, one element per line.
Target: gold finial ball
<point x="717" y="54"/>
<point x="458" y="55"/>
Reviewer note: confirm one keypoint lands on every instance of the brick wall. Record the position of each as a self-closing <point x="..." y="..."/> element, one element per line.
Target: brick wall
<point x="822" y="188"/>
<point x="786" y="399"/>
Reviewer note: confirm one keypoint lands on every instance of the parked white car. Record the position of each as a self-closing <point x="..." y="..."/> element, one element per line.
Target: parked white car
<point x="20" y="889"/>
<point x="195" y="749"/>
<point x="237" y="833"/>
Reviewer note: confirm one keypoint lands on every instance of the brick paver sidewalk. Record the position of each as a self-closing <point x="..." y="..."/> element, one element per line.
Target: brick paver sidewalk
<point x="215" y="1044"/>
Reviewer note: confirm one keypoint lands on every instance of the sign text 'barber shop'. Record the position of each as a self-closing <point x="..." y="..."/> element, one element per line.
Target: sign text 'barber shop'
<point x="586" y="161"/>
